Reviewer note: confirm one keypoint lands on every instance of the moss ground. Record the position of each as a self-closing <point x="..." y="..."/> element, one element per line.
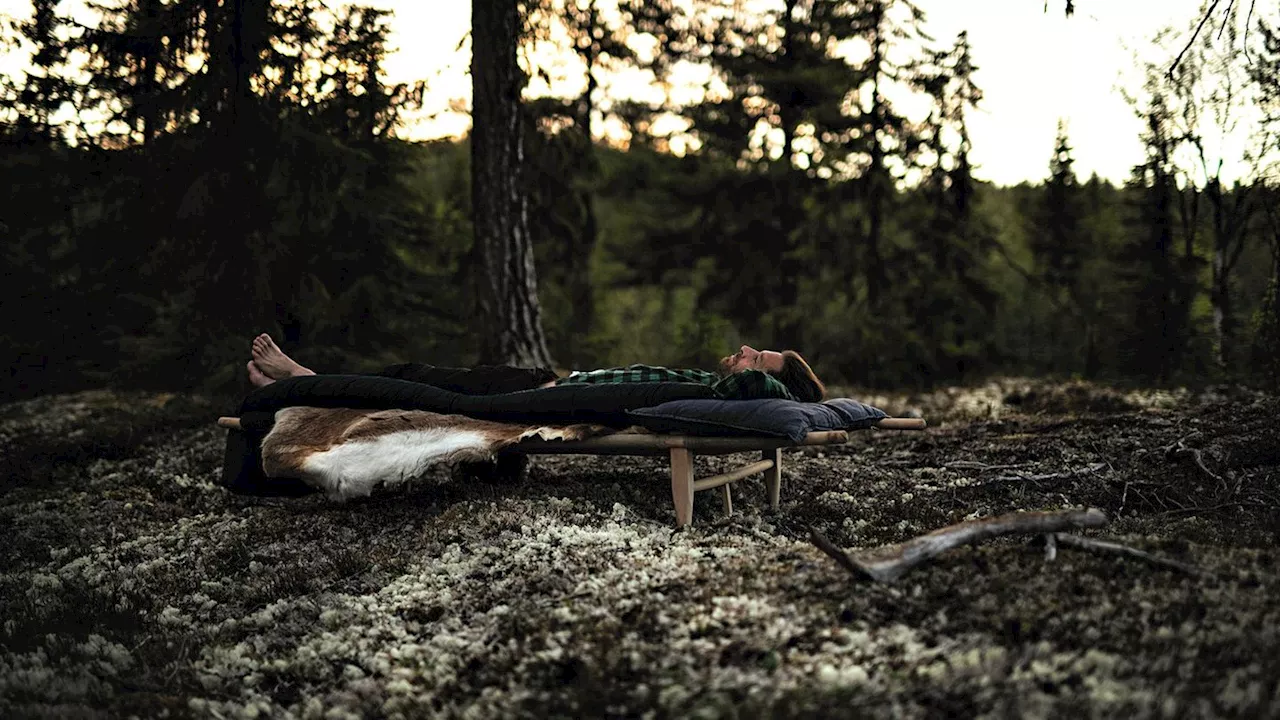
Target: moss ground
<point x="131" y="584"/>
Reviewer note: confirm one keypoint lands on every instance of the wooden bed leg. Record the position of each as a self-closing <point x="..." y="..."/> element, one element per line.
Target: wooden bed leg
<point x="773" y="476"/>
<point x="682" y="485"/>
<point x="728" y="499"/>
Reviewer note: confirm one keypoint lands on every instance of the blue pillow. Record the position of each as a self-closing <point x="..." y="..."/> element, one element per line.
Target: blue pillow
<point x="772" y="417"/>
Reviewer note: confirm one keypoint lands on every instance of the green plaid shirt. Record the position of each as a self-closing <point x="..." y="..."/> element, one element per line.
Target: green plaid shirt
<point x="745" y="385"/>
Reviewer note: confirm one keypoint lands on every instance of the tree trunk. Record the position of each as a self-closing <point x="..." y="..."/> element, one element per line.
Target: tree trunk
<point x="790" y="119"/>
<point x="1230" y="219"/>
<point x="510" y="318"/>
<point x="1220" y="298"/>
<point x="877" y="172"/>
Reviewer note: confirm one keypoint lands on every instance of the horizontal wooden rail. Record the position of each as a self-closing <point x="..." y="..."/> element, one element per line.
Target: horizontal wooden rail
<point x="902" y="424"/>
<point x="643" y="443"/>
<point x="681" y="450"/>
<point x="716" y="481"/>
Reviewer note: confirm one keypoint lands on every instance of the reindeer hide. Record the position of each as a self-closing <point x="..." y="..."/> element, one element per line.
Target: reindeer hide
<point x="347" y="453"/>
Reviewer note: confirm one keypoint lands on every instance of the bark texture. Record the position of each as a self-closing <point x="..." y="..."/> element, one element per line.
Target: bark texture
<point x="509" y="315"/>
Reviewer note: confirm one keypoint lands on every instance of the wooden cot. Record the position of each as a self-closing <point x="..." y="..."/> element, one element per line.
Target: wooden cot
<point x="681" y="450"/>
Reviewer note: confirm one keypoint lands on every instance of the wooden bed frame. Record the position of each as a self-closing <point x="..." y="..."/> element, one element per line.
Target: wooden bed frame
<point x="681" y="450"/>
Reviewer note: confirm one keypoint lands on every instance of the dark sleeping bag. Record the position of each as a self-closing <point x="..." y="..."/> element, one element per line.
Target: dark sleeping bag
<point x="564" y="405"/>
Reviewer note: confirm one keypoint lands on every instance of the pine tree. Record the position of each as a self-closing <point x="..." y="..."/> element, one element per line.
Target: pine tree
<point x="884" y="133"/>
<point x="29" y="109"/>
<point x="223" y="193"/>
<point x="507" y="295"/>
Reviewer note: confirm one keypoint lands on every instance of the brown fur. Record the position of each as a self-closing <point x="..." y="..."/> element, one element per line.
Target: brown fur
<point x="300" y="432"/>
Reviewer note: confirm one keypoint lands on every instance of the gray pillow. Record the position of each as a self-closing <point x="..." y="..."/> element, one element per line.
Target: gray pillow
<point x="772" y="417"/>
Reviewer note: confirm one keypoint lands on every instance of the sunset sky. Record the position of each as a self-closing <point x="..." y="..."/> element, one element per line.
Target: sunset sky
<point x="1034" y="67"/>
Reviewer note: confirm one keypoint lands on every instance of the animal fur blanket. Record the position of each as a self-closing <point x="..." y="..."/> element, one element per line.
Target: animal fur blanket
<point x="347" y="453"/>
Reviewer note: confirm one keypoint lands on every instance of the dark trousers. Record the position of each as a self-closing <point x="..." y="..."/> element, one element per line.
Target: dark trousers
<point x="479" y="380"/>
<point x="242" y="463"/>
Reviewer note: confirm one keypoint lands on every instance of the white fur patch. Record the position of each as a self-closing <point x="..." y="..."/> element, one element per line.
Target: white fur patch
<point x="355" y="468"/>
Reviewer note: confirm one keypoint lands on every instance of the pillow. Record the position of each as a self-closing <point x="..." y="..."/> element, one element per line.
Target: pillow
<point x="770" y="417"/>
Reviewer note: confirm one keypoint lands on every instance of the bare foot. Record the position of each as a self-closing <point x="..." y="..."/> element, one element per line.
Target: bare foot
<point x="256" y="377"/>
<point x="272" y="361"/>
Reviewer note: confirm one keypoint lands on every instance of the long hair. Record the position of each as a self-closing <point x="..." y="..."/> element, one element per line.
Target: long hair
<point x="799" y="379"/>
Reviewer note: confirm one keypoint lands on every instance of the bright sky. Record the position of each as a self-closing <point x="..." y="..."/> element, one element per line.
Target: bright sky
<point x="1034" y="67"/>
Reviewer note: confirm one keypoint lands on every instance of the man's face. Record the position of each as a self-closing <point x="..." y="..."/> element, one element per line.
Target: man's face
<point x="748" y="358"/>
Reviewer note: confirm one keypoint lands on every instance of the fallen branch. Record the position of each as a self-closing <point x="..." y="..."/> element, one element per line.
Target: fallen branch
<point x="1103" y="546"/>
<point x="1180" y="449"/>
<point x="889" y="562"/>
<point x="980" y="466"/>
<point x="1199" y="459"/>
<point x="1086" y="470"/>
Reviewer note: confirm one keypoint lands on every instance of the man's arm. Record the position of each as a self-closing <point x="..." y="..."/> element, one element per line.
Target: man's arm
<point x="636" y="374"/>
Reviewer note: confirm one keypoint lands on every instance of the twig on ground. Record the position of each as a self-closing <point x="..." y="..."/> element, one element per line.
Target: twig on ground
<point x="841" y="557"/>
<point x="979" y="466"/>
<point x="1103" y="455"/>
<point x="889" y="562"/>
<point x="1199" y="509"/>
<point x="1086" y="470"/>
<point x="1180" y="449"/>
<point x="1104" y="546"/>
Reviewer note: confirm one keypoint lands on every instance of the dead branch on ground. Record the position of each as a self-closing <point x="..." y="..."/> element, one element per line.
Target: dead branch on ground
<point x="980" y="466"/>
<point x="1086" y="470"/>
<point x="1180" y="449"/>
<point x="1103" y="546"/>
<point x="889" y="562"/>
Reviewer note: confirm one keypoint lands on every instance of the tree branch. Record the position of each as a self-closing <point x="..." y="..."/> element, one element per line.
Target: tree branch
<point x="889" y="562"/>
<point x="1208" y="14"/>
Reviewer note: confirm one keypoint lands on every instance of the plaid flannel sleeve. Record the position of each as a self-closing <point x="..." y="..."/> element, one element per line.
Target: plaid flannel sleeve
<point x="751" y="385"/>
<point x="637" y="374"/>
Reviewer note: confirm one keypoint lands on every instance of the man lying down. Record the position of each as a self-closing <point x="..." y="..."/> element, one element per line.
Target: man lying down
<point x="748" y="374"/>
<point x="346" y="452"/>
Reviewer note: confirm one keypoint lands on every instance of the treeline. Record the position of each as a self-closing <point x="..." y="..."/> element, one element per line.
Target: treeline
<point x="219" y="169"/>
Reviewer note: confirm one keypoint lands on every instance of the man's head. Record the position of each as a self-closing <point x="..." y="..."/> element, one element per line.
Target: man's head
<point x="787" y="366"/>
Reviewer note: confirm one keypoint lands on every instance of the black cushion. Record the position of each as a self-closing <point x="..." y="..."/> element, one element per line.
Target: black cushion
<point x="771" y="417"/>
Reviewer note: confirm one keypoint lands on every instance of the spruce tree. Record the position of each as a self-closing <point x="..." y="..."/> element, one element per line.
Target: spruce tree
<point x="1158" y="335"/>
<point x="951" y="300"/>
<point x="1058" y="239"/>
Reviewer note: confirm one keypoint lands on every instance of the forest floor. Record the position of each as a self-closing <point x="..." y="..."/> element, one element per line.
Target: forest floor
<point x="132" y="584"/>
